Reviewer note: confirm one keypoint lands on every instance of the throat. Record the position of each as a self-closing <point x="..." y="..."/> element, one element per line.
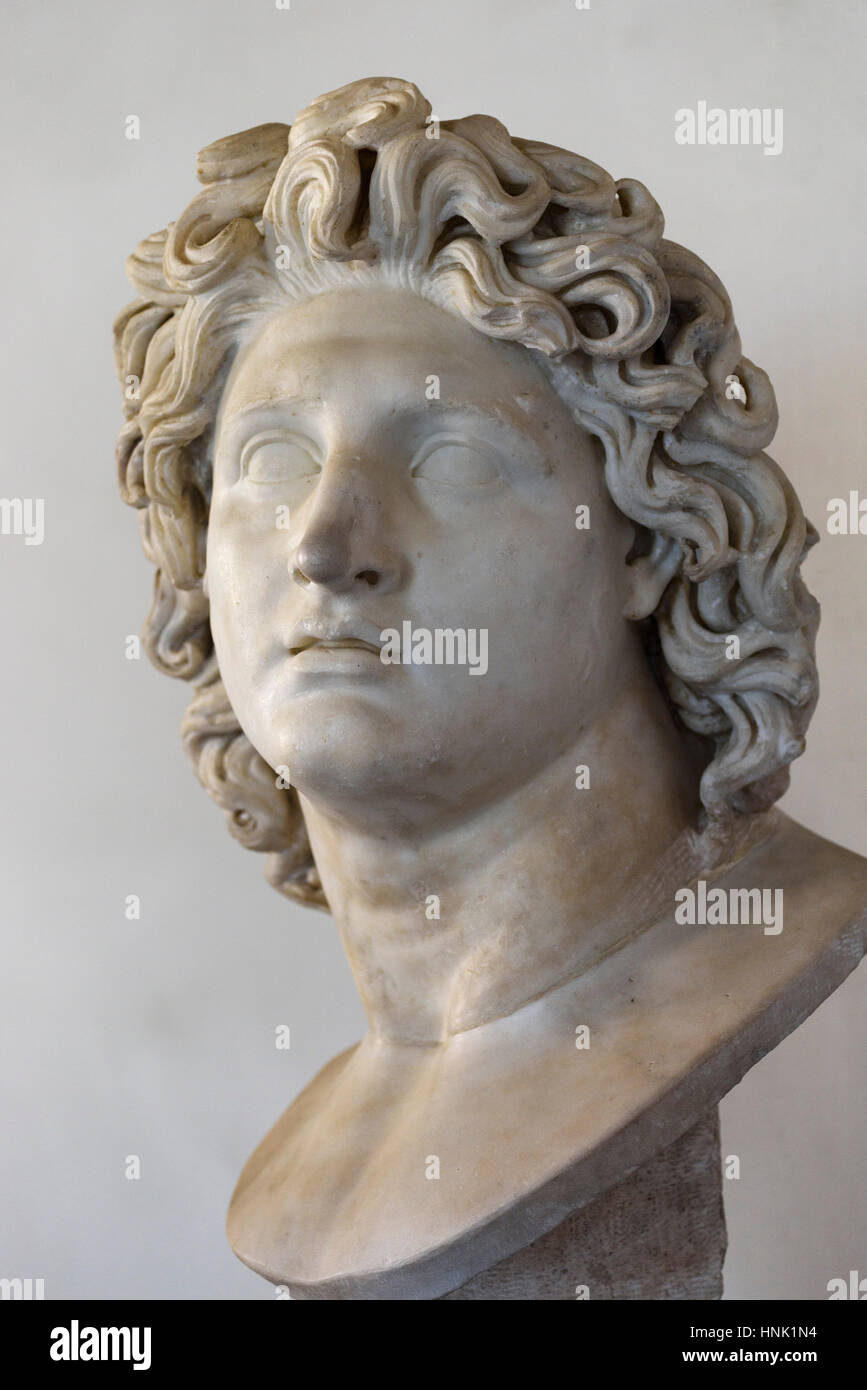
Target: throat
<point x="446" y="935"/>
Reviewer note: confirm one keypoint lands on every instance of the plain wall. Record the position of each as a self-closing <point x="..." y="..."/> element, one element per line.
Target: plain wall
<point x="156" y="1037"/>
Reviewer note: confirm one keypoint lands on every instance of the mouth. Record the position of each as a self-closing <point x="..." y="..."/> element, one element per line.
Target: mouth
<point x="337" y="644"/>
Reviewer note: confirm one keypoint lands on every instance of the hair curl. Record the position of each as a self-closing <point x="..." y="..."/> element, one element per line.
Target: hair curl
<point x="529" y="243"/>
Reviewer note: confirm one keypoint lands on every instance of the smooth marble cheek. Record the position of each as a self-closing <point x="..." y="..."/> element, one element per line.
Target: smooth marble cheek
<point x="247" y="624"/>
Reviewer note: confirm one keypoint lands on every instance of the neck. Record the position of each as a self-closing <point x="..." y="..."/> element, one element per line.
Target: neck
<point x="450" y="930"/>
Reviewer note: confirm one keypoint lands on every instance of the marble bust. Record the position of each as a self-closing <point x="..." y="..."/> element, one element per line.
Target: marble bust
<point x="451" y="468"/>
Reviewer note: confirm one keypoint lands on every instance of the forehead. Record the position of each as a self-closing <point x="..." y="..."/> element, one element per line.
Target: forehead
<point x="380" y="343"/>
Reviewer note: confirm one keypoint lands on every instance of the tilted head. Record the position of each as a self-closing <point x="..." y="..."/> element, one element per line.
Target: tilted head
<point x="387" y="358"/>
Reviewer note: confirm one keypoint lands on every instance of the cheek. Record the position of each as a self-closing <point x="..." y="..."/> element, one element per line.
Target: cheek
<point x="247" y="548"/>
<point x="557" y="609"/>
<point x="246" y="563"/>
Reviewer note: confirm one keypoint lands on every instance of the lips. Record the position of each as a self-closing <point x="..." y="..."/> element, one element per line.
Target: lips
<point x="334" y="645"/>
<point x="314" y="634"/>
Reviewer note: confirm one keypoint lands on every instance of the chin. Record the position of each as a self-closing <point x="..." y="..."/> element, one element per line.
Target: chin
<point x="344" y="746"/>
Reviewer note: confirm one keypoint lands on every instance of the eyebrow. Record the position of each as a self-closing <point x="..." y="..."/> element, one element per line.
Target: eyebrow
<point x="500" y="412"/>
<point x="313" y="404"/>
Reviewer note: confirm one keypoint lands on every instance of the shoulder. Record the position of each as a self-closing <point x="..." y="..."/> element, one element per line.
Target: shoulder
<point x="824" y="885"/>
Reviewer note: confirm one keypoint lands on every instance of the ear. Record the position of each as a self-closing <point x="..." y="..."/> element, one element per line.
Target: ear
<point x="650" y="575"/>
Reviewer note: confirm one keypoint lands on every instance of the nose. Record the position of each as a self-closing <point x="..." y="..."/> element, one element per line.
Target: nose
<point x="342" y="547"/>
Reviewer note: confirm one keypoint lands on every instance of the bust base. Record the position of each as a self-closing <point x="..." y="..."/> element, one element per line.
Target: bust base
<point x="658" y="1234"/>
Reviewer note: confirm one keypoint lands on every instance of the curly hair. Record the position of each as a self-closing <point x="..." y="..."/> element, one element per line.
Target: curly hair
<point x="528" y="243"/>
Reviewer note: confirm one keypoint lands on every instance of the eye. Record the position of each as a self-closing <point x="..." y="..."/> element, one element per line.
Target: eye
<point x="456" y="464"/>
<point x="277" y="460"/>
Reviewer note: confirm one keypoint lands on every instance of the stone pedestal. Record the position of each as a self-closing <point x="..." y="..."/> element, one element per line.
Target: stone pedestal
<point x="658" y="1234"/>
